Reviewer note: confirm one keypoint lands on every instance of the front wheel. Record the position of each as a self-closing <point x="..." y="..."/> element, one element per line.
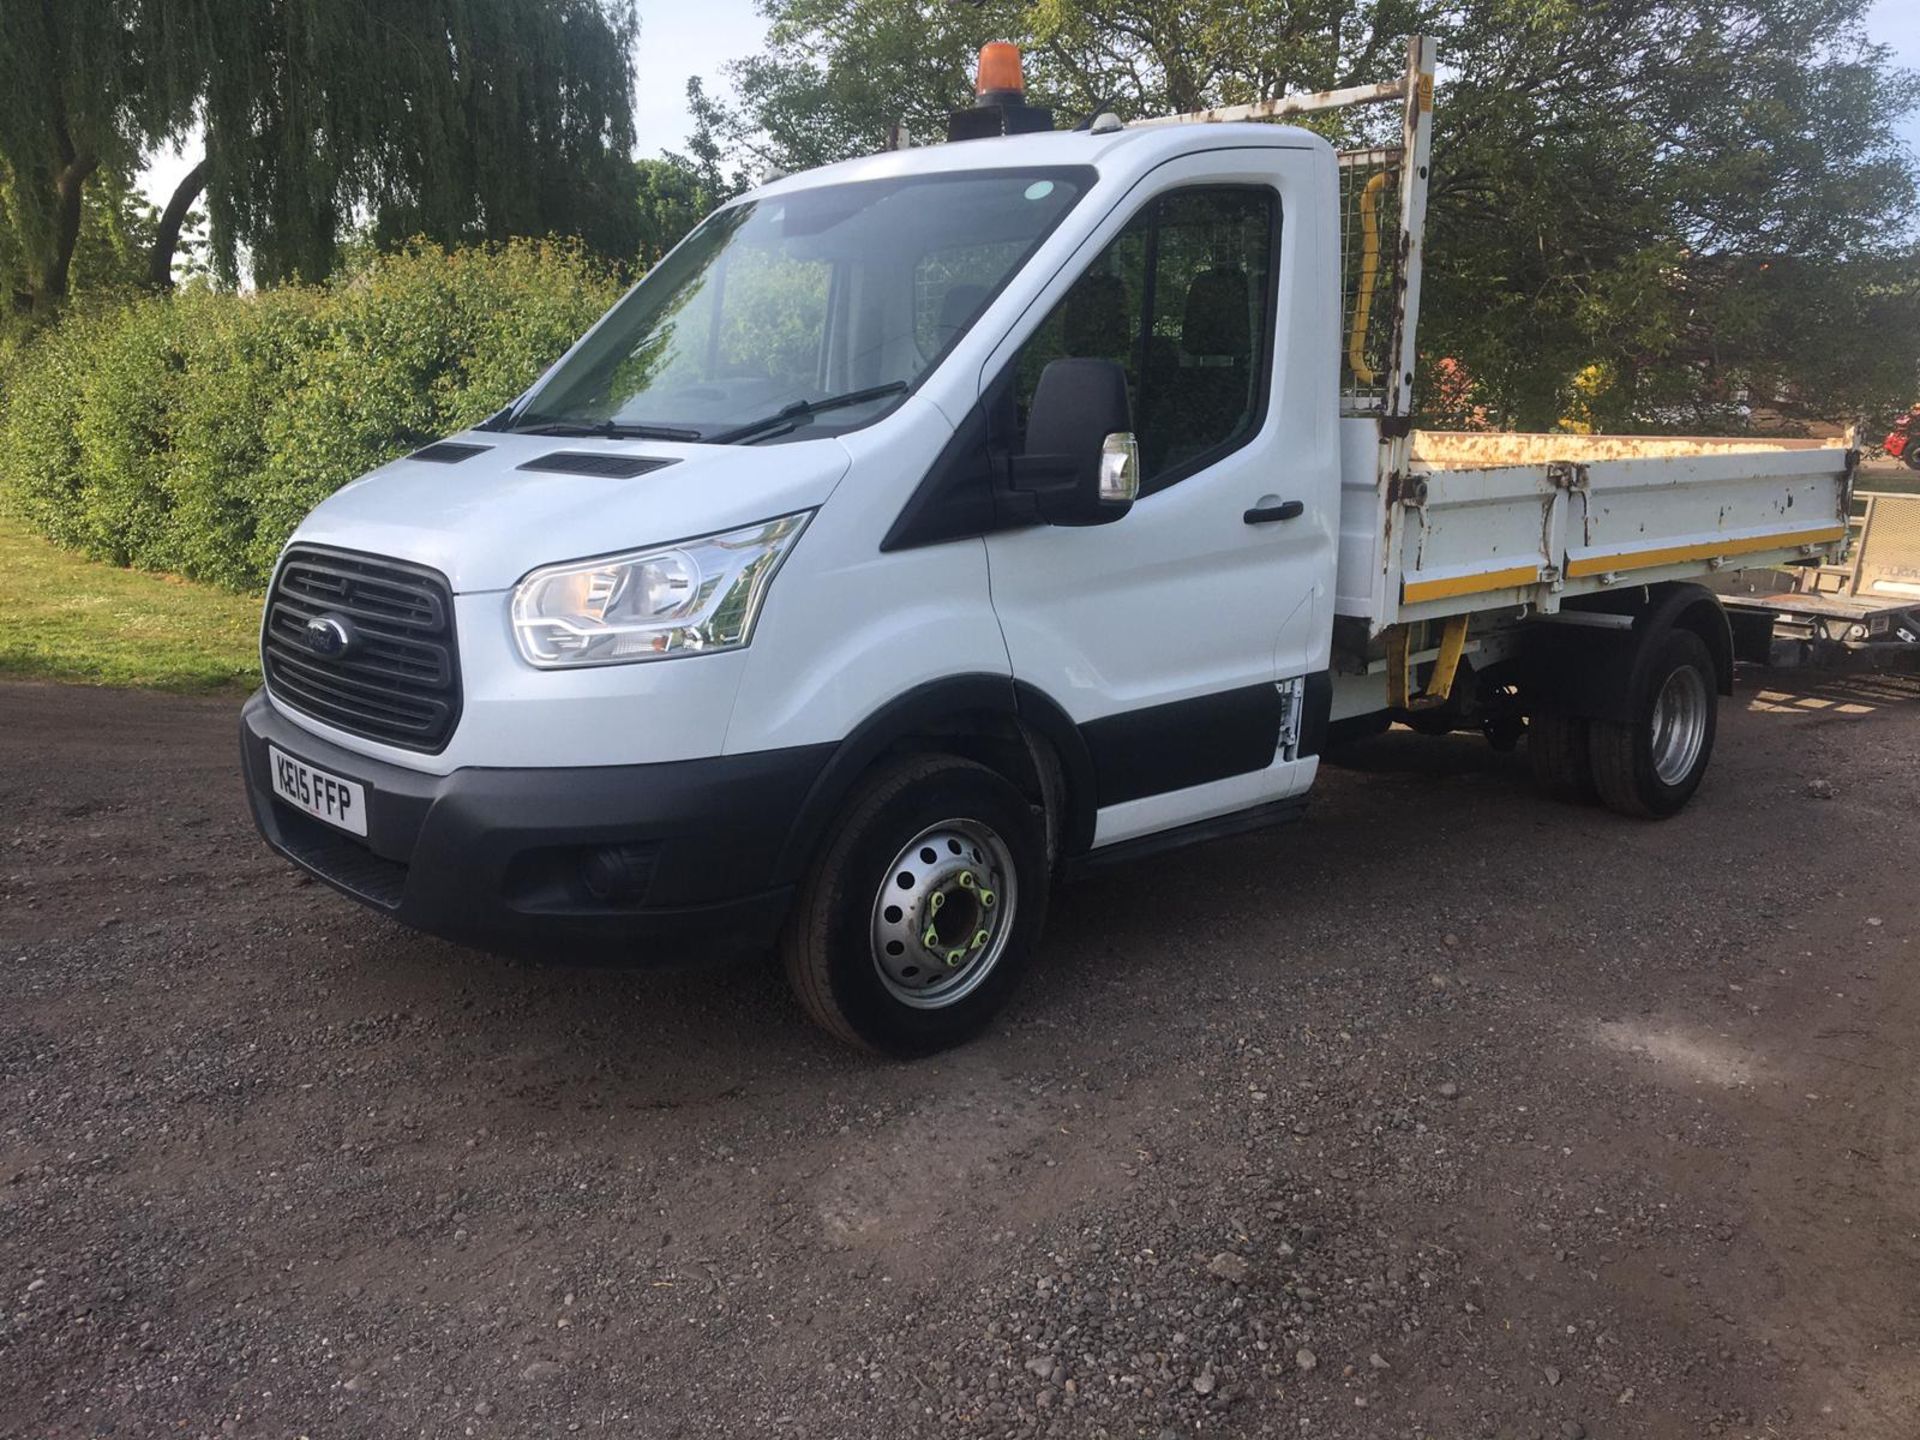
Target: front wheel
<point x="923" y="910"/>
<point x="1651" y="765"/>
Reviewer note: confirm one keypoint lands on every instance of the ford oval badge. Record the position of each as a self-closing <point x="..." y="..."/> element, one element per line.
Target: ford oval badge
<point x="329" y="636"/>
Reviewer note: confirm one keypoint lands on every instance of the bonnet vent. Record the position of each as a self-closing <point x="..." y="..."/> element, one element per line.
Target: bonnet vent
<point x="588" y="462"/>
<point x="449" y="452"/>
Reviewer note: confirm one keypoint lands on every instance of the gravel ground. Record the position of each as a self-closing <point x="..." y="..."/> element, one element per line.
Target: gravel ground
<point x="1449" y="1113"/>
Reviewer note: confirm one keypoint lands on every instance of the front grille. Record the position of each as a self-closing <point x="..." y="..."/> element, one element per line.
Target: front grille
<point x="398" y="682"/>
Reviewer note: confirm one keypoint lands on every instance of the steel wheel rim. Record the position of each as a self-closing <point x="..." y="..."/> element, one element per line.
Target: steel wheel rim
<point x="943" y="914"/>
<point x="1679" y="724"/>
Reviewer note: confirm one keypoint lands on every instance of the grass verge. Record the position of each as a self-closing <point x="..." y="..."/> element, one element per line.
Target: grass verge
<point x="66" y="618"/>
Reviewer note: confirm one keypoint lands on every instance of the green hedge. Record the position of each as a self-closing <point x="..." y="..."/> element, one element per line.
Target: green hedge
<point x="190" y="433"/>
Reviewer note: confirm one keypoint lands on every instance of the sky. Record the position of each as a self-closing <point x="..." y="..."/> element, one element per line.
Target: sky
<point x="683" y="38"/>
<point x="1897" y="23"/>
<point x="680" y="39"/>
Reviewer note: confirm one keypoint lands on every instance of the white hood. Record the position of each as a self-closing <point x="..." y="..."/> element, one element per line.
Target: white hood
<point x="484" y="522"/>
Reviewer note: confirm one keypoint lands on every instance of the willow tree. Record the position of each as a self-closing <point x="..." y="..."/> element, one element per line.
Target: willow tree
<point x="73" y="102"/>
<point x="457" y="120"/>
<point x="453" y="119"/>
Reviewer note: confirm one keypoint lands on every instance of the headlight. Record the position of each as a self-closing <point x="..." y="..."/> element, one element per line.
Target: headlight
<point x="694" y="597"/>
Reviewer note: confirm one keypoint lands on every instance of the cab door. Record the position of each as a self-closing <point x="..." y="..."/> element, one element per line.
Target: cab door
<point x="1188" y="641"/>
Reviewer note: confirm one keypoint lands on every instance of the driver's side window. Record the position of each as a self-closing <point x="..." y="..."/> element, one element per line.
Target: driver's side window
<point x="1182" y="299"/>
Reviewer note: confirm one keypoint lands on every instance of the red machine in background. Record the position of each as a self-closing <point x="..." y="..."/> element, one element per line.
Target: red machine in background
<point x="1903" y="441"/>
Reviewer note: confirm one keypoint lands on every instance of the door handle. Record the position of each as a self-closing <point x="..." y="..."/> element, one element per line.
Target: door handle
<point x="1285" y="510"/>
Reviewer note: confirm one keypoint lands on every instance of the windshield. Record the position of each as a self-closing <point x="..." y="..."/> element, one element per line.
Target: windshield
<point x="805" y="303"/>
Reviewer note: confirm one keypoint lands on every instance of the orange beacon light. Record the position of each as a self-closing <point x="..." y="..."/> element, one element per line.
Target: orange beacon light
<point x="999" y="72"/>
<point x="1000" y="101"/>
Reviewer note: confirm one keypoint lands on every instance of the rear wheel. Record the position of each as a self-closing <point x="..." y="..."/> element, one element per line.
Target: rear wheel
<point x="923" y="910"/>
<point x="1651" y="765"/>
<point x="1559" y="749"/>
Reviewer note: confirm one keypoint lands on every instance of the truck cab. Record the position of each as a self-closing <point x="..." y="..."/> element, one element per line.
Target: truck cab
<point x="920" y="528"/>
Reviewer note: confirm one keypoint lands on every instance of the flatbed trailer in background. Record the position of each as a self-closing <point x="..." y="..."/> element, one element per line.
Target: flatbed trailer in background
<point x="1866" y="604"/>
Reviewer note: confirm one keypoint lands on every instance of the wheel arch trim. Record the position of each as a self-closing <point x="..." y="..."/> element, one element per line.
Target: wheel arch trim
<point x="1603" y="674"/>
<point x="1692" y="607"/>
<point x="952" y="706"/>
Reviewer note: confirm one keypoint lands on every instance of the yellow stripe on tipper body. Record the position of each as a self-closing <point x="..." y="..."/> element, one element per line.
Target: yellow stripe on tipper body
<point x="1412" y="592"/>
<point x="1705" y="550"/>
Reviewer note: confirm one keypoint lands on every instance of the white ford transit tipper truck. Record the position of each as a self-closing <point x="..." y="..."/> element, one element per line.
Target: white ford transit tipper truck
<point x="928" y="525"/>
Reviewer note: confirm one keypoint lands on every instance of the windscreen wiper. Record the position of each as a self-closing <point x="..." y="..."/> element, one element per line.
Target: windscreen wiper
<point x="605" y="429"/>
<point x="802" y="410"/>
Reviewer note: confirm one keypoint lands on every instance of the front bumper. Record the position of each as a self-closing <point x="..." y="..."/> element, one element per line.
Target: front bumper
<point x="520" y="860"/>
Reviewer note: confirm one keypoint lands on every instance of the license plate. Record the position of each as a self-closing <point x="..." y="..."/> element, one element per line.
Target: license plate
<point x="316" y="793"/>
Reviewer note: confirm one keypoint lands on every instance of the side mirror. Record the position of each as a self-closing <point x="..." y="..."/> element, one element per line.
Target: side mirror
<point x="1082" y="465"/>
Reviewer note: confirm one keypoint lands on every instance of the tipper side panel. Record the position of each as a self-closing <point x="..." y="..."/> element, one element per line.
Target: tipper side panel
<point x="1484" y="537"/>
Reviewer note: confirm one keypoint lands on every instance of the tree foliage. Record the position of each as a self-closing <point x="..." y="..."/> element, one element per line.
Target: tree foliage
<point x="673" y="199"/>
<point x="677" y="191"/>
<point x="1645" y="210"/>
<point x="73" y="100"/>
<point x="456" y="120"/>
<point x="191" y="432"/>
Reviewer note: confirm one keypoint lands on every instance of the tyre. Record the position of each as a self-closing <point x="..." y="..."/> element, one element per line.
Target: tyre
<point x="1559" y="749"/>
<point x="1650" y="766"/>
<point x="923" y="909"/>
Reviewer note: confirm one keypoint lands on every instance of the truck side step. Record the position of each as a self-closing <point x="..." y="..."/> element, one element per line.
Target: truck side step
<point x="1260" y="817"/>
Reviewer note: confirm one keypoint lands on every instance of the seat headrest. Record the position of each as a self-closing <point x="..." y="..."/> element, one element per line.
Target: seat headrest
<point x="1094" y="325"/>
<point x="1216" y="324"/>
